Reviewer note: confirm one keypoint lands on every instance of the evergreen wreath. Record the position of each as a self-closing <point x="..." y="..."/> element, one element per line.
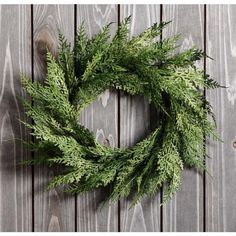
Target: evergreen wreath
<point x="142" y="65"/>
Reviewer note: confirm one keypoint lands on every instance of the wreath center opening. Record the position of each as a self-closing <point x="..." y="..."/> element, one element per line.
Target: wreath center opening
<point x="121" y="123"/>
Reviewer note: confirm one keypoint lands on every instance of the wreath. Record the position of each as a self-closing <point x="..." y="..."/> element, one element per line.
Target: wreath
<point x="140" y="65"/>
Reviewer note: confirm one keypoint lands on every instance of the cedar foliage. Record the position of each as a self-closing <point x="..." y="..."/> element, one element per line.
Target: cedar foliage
<point x="141" y="65"/>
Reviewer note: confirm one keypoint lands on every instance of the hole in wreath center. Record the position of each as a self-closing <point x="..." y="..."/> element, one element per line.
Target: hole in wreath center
<point x="136" y="116"/>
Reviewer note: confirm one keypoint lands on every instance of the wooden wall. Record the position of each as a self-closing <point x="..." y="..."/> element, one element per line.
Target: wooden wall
<point x="203" y="203"/>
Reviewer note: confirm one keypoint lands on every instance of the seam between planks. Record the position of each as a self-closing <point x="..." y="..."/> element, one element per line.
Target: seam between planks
<point x="204" y="173"/>
<point x="118" y="125"/>
<point x="32" y="138"/>
<point x="161" y="189"/>
<point x="75" y="196"/>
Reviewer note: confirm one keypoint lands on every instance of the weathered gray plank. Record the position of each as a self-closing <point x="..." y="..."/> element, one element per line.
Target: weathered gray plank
<point x="54" y="211"/>
<point x="185" y="211"/>
<point x="221" y="188"/>
<point x="135" y="125"/>
<point x="15" y="180"/>
<point x="101" y="117"/>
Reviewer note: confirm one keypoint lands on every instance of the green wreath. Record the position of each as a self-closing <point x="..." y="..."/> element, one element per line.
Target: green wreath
<point x="140" y="65"/>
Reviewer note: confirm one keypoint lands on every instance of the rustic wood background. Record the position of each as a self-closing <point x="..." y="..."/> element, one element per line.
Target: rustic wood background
<point x="203" y="203"/>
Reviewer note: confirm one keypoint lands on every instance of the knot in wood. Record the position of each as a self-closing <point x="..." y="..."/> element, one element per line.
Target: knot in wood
<point x="234" y="144"/>
<point x="106" y="142"/>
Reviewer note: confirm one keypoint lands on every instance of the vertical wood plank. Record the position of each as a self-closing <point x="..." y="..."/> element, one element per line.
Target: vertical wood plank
<point x="221" y="188"/>
<point x="185" y="211"/>
<point x="101" y="117"/>
<point x="54" y="210"/>
<point x="15" y="179"/>
<point x="135" y="125"/>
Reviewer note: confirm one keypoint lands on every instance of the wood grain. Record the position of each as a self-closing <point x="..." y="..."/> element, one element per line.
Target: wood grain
<point x="221" y="188"/>
<point x="135" y="125"/>
<point x="54" y="210"/>
<point x="185" y="211"/>
<point x="101" y="117"/>
<point x="15" y="179"/>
